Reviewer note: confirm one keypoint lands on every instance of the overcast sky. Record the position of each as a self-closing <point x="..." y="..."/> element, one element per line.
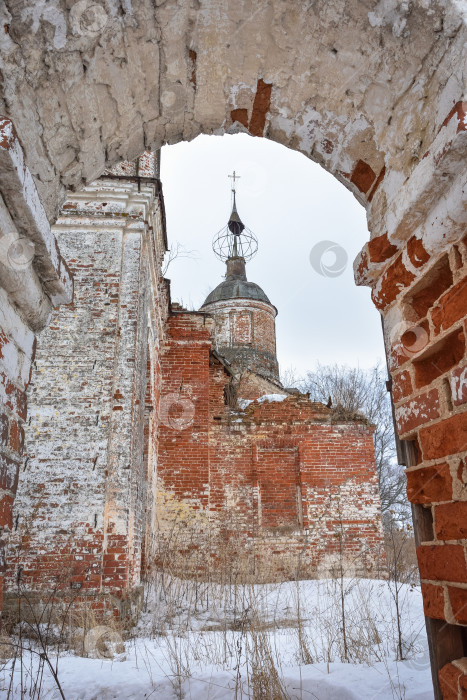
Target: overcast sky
<point x="291" y="204"/>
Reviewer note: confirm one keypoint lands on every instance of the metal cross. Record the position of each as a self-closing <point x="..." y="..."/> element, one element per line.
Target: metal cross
<point x="234" y="177"/>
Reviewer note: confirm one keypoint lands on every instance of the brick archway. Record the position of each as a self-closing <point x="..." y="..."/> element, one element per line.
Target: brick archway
<point x="374" y="94"/>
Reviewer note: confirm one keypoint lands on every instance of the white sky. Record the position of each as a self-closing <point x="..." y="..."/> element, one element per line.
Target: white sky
<point x="291" y="204"/>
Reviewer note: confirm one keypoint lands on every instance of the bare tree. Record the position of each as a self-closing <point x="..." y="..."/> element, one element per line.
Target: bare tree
<point x="364" y="391"/>
<point x="290" y="378"/>
<point x="402" y="573"/>
<point x="176" y="250"/>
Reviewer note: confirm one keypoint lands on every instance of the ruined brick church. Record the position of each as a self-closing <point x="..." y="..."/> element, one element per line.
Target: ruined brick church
<point x="373" y="92"/>
<point x="161" y="437"/>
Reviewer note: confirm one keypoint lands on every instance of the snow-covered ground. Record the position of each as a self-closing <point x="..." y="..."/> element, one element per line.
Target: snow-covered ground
<point x="269" y="642"/>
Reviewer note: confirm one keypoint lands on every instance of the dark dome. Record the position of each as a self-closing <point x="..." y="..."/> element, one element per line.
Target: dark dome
<point x="236" y="285"/>
<point x="236" y="289"/>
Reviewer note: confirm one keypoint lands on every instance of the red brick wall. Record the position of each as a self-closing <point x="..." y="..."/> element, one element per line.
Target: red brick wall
<point x="245" y="333"/>
<point x="273" y="481"/>
<point x="429" y="369"/>
<point x="17" y="349"/>
<point x="420" y="287"/>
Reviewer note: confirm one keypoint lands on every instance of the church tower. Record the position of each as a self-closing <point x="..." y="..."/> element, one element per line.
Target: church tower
<point x="245" y="329"/>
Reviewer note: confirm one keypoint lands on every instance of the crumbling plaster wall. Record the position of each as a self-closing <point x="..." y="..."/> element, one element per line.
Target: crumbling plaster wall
<point x="356" y="86"/>
<point x="84" y="511"/>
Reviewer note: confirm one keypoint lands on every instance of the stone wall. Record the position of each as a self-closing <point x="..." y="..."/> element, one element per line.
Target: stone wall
<point x="33" y="280"/>
<point x="86" y="490"/>
<point x="277" y="488"/>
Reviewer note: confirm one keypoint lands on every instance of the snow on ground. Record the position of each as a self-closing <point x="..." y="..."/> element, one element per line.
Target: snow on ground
<point x="206" y="642"/>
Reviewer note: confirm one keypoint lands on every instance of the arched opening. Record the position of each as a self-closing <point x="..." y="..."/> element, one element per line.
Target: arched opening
<point x="291" y="205"/>
<point x="384" y="115"/>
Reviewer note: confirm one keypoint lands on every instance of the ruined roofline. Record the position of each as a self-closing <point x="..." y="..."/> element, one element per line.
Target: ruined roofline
<point x="268" y="379"/>
<point x="186" y="312"/>
<point x="223" y="361"/>
<point x="142" y="179"/>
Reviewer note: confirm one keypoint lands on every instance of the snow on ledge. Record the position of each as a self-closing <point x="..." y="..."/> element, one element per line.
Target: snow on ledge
<point x="243" y="403"/>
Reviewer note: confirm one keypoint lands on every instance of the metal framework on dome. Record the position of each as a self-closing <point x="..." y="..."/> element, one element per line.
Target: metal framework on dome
<point x="235" y="240"/>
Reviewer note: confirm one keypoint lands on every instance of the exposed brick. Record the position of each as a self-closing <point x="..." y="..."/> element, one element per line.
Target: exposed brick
<point x="193" y="58"/>
<point x="442" y="562"/>
<point x="458" y="382"/>
<point x="380" y="248"/>
<point x="401" y="385"/>
<point x="460" y="111"/>
<point x="458" y="599"/>
<point x="261" y="105"/>
<point x="444" y="438"/>
<point x="433" y="601"/>
<point x="16" y="441"/>
<point x="6" y="507"/>
<point x="394" y="280"/>
<point x="433" y="284"/>
<point x="429" y="484"/>
<point x="362" y="276"/>
<point x="15" y="399"/>
<point x="363" y="176"/>
<point x="451" y="521"/>
<point x="328" y="146"/>
<point x="438" y="359"/>
<point x="449" y="677"/>
<point x="451" y="308"/>
<point x="240" y="115"/>
<point x="416" y="252"/>
<point x="417" y="411"/>
<point x="463" y="684"/>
